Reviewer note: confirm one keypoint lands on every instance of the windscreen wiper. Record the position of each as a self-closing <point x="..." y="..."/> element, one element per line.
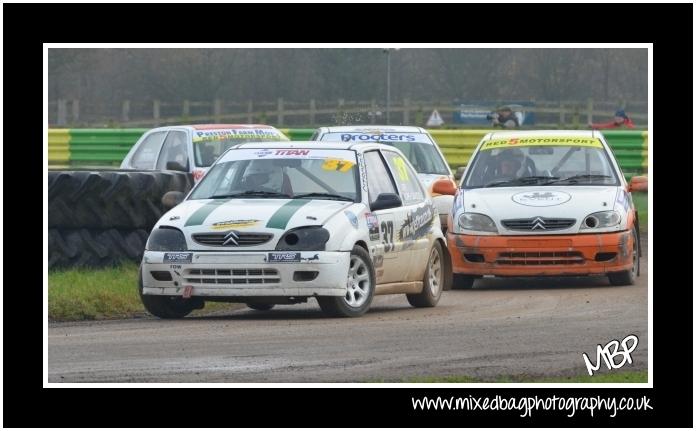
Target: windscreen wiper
<point x="323" y="195"/>
<point x="576" y="178"/>
<point x="520" y="181"/>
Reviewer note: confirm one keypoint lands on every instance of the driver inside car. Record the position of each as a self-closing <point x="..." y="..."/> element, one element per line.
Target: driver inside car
<point x="509" y="163"/>
<point x="263" y="176"/>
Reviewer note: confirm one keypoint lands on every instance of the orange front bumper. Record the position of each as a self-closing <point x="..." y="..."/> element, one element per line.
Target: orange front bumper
<point x="541" y="255"/>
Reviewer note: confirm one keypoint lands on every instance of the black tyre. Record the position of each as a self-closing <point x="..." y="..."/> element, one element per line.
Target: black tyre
<point x="110" y="199"/>
<point x="462" y="281"/>
<point x="167" y="307"/>
<point x="628" y="277"/>
<point x="94" y="247"/>
<point x="433" y="280"/>
<point x="260" y="306"/>
<point x="361" y="288"/>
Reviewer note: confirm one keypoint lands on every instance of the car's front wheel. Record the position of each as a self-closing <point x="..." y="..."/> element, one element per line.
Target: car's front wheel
<point x="360" y="288"/>
<point x="628" y="277"/>
<point x="168" y="307"/>
<point x="433" y="280"/>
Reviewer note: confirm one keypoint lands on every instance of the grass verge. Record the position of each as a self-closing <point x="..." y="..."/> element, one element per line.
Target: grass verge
<point x="94" y="294"/>
<point x="613" y="377"/>
<point x="640" y="200"/>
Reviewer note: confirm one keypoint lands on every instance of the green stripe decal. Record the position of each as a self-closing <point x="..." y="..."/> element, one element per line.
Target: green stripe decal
<point x="199" y="216"/>
<point x="281" y="217"/>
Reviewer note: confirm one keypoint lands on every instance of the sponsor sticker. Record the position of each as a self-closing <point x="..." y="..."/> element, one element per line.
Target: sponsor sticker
<point x="372" y="226"/>
<point x="231" y="134"/>
<point x="417" y="223"/>
<point x="337" y="165"/>
<point x="284" y="257"/>
<point x="352" y="218"/>
<point x="541" y="198"/>
<point x="540" y="141"/>
<point x="178" y="257"/>
<point x="392" y="137"/>
<point x="223" y="225"/>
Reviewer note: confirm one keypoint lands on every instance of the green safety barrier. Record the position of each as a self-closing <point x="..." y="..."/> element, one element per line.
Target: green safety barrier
<point x="110" y="146"/>
<point x="89" y="146"/>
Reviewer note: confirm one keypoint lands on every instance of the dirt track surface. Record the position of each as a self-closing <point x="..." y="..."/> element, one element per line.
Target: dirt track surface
<point x="534" y="327"/>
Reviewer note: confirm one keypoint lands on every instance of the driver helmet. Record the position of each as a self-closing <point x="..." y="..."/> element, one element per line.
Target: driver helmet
<point x="510" y="161"/>
<point x="262" y="173"/>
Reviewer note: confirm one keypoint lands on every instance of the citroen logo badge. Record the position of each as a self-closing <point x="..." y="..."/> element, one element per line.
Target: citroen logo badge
<point x="538" y="223"/>
<point x="231" y="238"/>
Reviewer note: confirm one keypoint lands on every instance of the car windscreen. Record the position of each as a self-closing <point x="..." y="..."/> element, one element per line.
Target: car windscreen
<point x="282" y="173"/>
<point x="533" y="161"/>
<point x="417" y="147"/>
<point x="208" y="145"/>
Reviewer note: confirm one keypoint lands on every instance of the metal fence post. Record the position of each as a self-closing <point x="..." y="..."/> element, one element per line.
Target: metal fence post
<point x="561" y="115"/>
<point x="62" y="112"/>
<point x="217" y="110"/>
<point x="250" y="110"/>
<point x="280" y="111"/>
<point x="406" y="111"/>
<point x="156" y="112"/>
<point x="75" y="111"/>
<point x="312" y="112"/>
<point x="125" y="111"/>
<point x="186" y="109"/>
<point x="589" y="110"/>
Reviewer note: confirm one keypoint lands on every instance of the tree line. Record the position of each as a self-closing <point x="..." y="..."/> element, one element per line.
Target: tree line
<point x="265" y="74"/>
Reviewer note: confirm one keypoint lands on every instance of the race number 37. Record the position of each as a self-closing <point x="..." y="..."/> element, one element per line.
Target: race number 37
<point x="388" y="235"/>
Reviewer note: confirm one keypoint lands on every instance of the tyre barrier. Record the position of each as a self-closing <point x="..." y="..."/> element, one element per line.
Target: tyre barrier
<point x="101" y="218"/>
<point x="110" y="199"/>
<point x="94" y="247"/>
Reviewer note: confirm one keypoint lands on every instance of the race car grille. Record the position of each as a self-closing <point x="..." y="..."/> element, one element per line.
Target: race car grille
<point x="232" y="238"/>
<point x="538" y="223"/>
<point x="233" y="276"/>
<point x="540" y="258"/>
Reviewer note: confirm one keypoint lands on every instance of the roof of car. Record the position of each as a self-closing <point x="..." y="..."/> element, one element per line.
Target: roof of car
<point x="375" y="128"/>
<point x="541" y="133"/>
<point x="228" y="126"/>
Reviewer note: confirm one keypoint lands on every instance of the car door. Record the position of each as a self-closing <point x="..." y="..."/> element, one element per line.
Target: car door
<point x="380" y="223"/>
<point x="413" y="221"/>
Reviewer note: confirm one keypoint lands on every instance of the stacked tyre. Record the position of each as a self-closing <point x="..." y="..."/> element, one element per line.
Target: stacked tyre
<point x="100" y="218"/>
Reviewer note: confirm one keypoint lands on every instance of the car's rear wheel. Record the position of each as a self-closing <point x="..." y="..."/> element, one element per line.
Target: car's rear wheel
<point x="433" y="280"/>
<point x="360" y="288"/>
<point x="260" y="306"/>
<point x="168" y="307"/>
<point x="462" y="281"/>
<point x="628" y="277"/>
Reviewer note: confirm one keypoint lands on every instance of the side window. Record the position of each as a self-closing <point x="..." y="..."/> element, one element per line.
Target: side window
<point x="174" y="150"/>
<point x="378" y="178"/>
<point x="145" y="156"/>
<point x="405" y="177"/>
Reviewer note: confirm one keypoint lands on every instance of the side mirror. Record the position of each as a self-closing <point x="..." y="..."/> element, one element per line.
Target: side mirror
<point x="172" y="199"/>
<point x="385" y="201"/>
<point x="444" y="186"/>
<point x="459" y="172"/>
<point x="176" y="166"/>
<point x="638" y="184"/>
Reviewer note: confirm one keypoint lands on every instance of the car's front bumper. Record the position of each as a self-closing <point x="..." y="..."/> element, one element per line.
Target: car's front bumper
<point x="241" y="274"/>
<point x="541" y="255"/>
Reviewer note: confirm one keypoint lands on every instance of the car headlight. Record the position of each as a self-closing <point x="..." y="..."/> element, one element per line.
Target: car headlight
<point x="311" y="238"/>
<point x="479" y="222"/>
<point x="166" y="238"/>
<point x="601" y="219"/>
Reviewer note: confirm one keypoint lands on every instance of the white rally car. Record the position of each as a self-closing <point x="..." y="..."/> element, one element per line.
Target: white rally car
<point x="278" y="223"/>
<point x="544" y="203"/>
<point x="193" y="148"/>
<point x="415" y="142"/>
